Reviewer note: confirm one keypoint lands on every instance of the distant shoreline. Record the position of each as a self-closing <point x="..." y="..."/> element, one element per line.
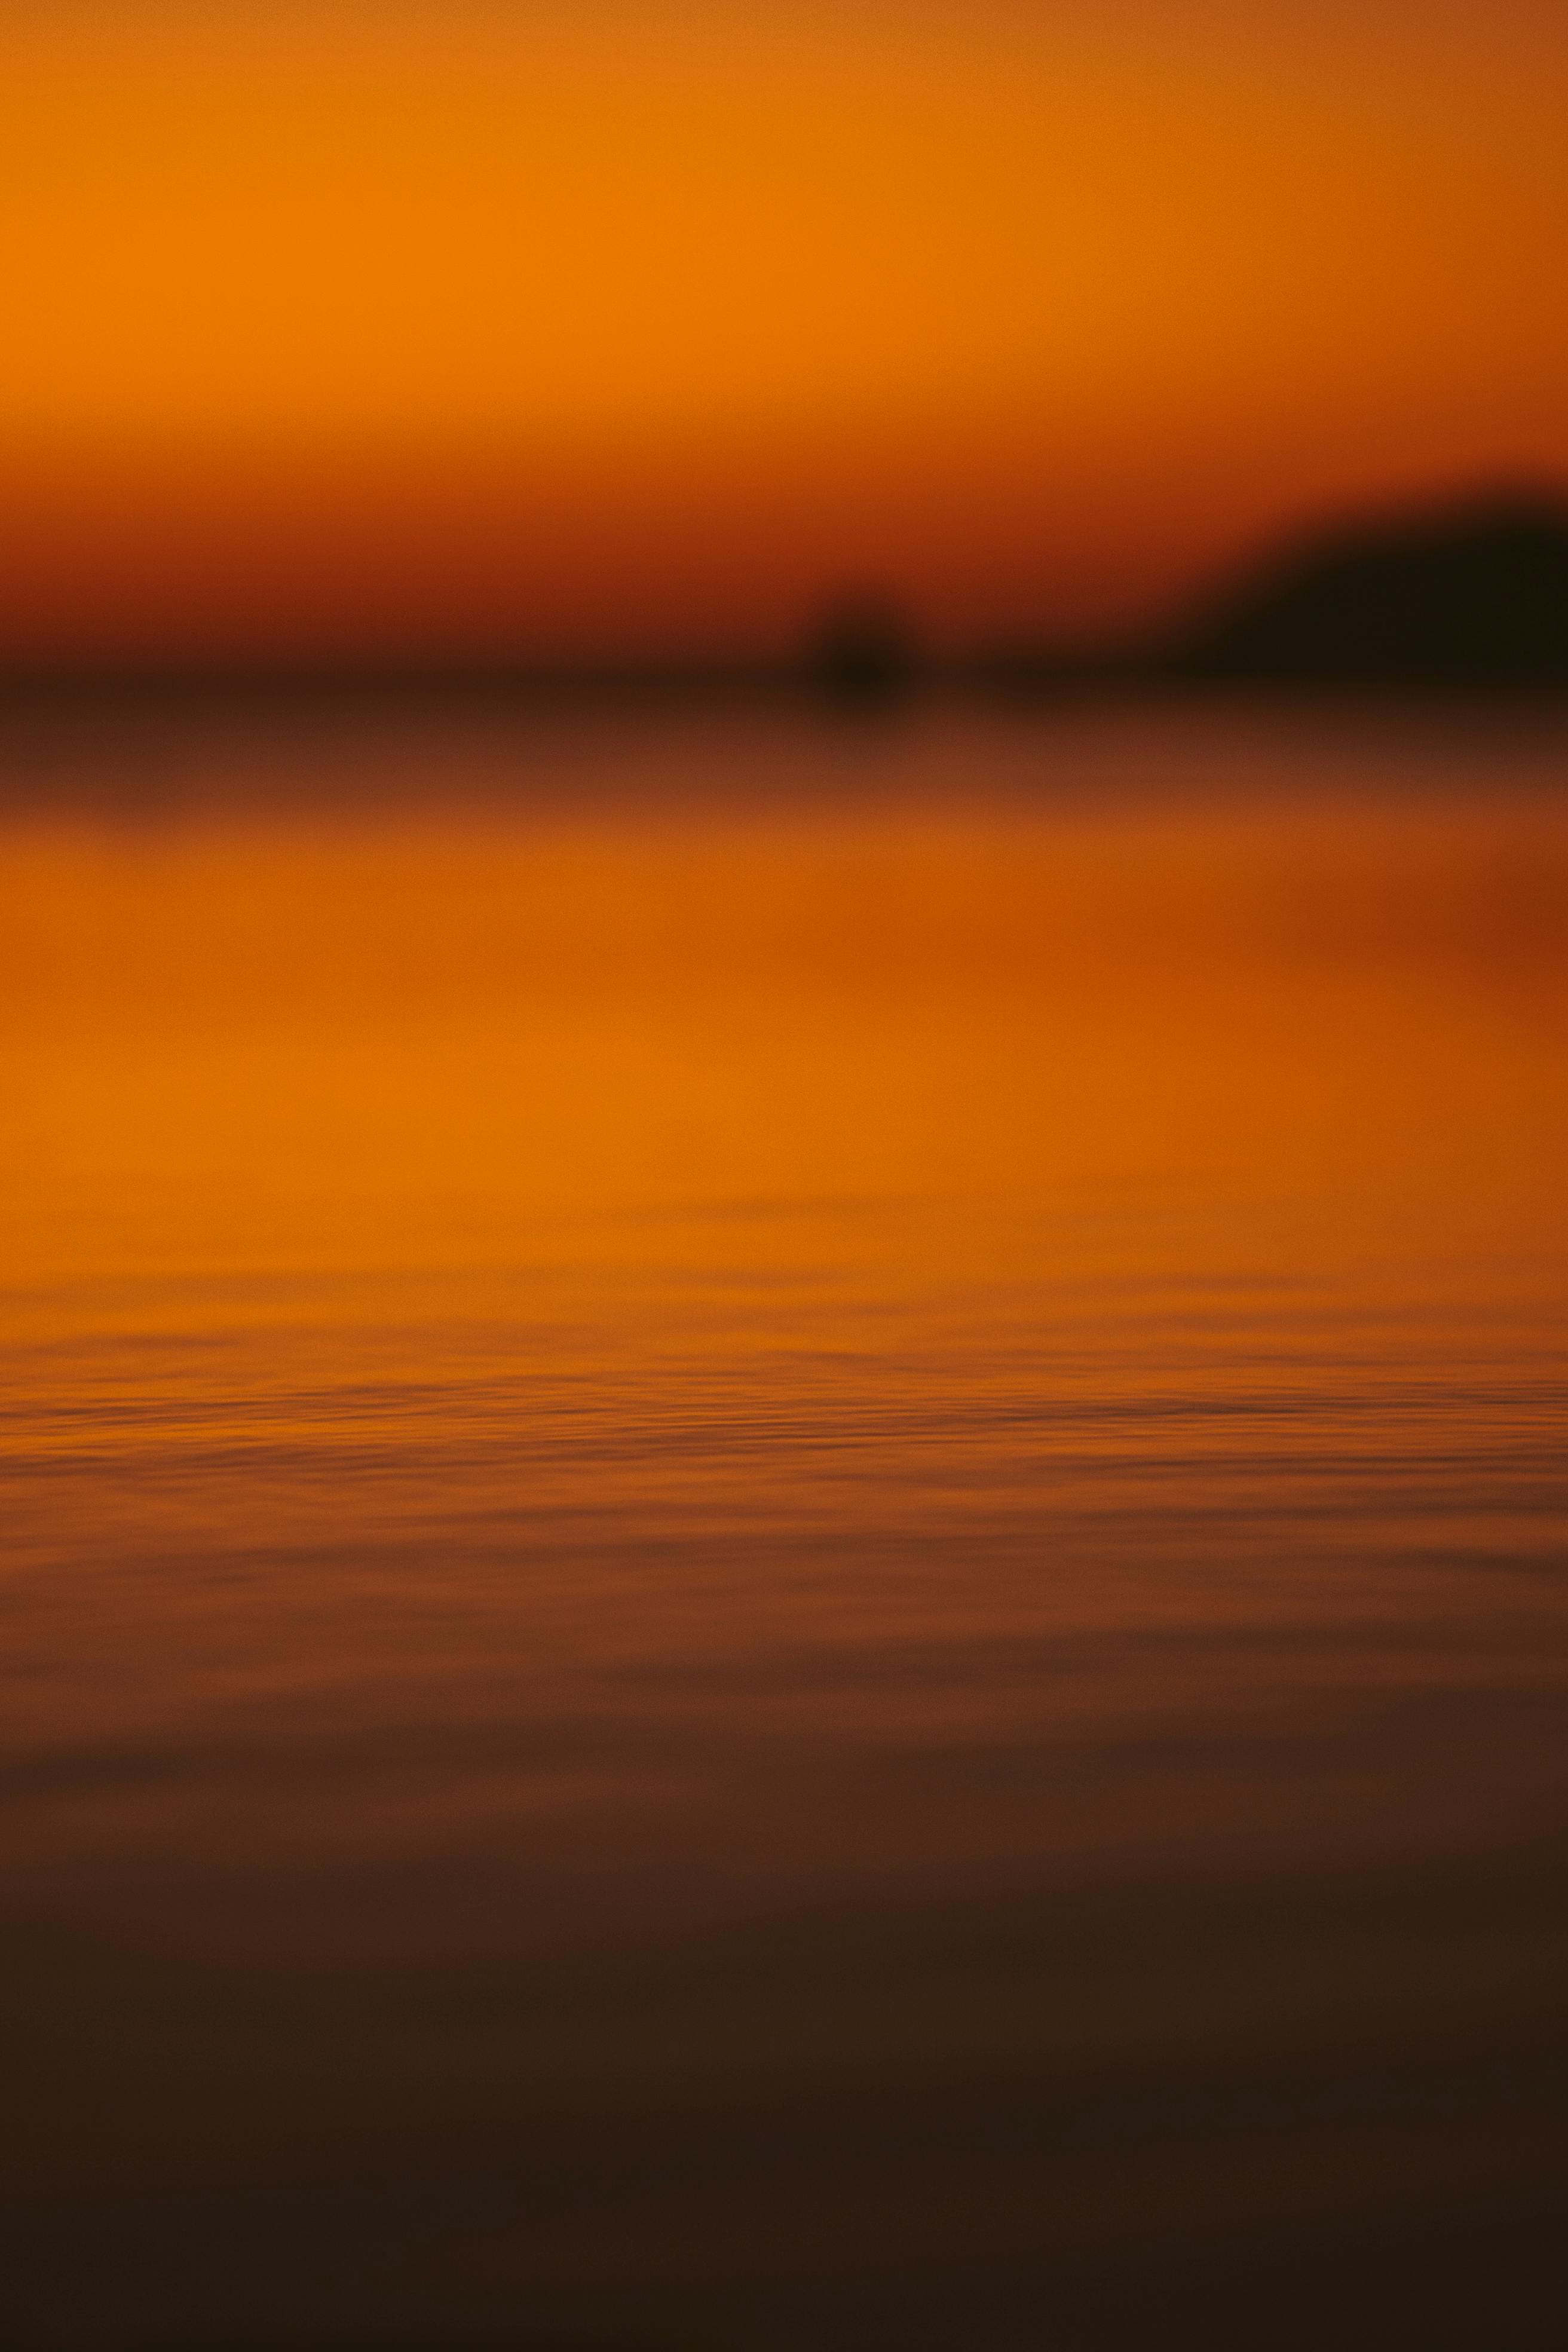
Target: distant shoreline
<point x="1468" y="597"/>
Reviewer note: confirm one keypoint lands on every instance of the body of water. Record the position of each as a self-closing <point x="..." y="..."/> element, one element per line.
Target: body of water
<point x="785" y="1530"/>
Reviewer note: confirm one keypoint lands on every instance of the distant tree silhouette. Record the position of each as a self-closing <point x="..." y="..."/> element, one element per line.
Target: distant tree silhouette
<point x="861" y="652"/>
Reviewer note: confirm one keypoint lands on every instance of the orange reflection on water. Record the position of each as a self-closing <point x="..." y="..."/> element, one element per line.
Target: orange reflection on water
<point x="708" y="1350"/>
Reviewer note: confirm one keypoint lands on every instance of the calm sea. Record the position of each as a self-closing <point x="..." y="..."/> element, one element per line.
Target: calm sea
<point x="785" y="1518"/>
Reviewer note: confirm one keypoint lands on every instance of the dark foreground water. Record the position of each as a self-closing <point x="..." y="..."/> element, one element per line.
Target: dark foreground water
<point x="785" y="1524"/>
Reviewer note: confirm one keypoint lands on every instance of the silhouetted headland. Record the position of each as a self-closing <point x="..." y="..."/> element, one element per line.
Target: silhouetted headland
<point x="1473" y="595"/>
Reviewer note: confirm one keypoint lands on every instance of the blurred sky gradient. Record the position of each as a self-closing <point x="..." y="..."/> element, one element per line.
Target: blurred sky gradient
<point x="486" y="330"/>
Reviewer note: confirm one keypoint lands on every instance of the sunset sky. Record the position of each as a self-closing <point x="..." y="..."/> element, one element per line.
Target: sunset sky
<point x="571" y="324"/>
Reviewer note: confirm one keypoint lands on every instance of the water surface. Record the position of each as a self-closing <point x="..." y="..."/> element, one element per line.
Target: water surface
<point x="719" y="1413"/>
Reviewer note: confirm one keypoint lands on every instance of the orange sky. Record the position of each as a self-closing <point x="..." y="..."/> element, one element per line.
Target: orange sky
<point x="499" y="327"/>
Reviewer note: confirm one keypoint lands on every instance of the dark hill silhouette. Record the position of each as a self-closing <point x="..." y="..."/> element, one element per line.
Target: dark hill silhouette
<point x="1473" y="595"/>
